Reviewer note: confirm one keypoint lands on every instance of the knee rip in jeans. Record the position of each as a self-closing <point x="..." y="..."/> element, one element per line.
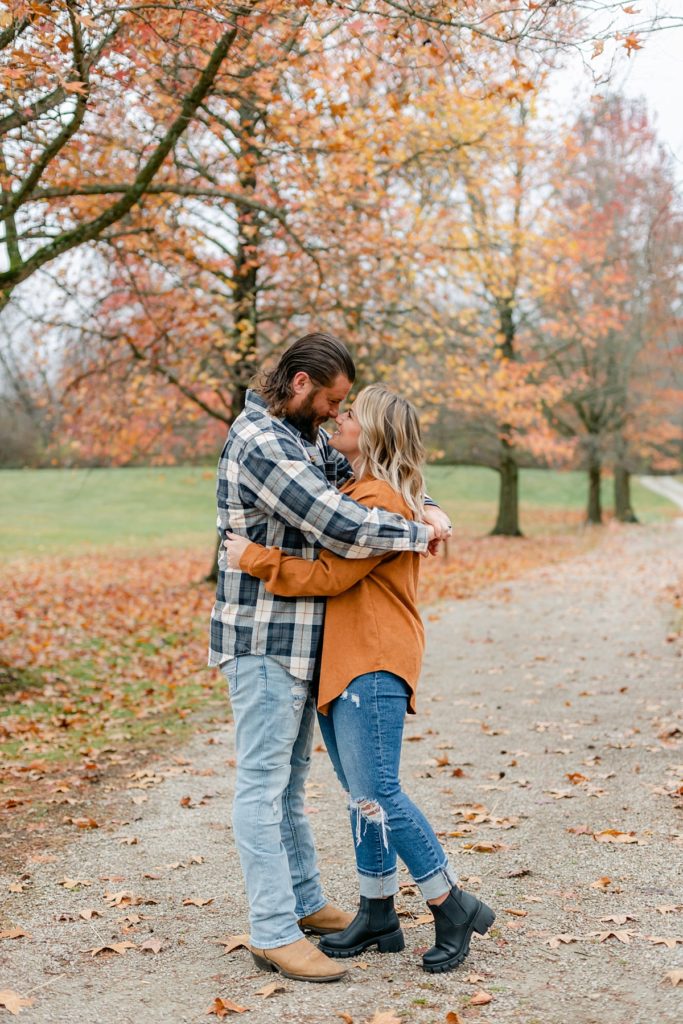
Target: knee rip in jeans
<point x="299" y="692"/>
<point x="373" y="812"/>
<point x="355" y="698"/>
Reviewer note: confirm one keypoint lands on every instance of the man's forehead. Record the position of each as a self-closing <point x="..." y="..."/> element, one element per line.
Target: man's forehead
<point x="338" y="389"/>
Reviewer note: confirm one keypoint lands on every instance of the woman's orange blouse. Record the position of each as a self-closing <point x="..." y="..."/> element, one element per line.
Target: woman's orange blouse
<point x="371" y="623"/>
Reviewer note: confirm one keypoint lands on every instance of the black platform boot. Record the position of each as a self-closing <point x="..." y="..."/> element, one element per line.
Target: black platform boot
<point x="455" y="919"/>
<point x="375" y="924"/>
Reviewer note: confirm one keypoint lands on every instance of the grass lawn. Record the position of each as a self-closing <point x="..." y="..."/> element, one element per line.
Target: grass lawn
<point x="104" y="612"/>
<point x="57" y="510"/>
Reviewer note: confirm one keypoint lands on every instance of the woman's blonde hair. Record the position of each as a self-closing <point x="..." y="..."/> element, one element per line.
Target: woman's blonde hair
<point x="390" y="444"/>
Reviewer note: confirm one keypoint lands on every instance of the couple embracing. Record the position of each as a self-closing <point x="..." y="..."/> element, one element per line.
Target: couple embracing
<point x="316" y="610"/>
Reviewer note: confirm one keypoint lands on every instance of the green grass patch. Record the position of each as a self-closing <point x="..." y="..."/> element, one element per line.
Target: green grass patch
<point x="62" y="510"/>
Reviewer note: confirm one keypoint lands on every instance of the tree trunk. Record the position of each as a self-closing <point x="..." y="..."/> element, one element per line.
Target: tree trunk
<point x="245" y="281"/>
<point x="594" y="510"/>
<point x="622" y="495"/>
<point x="507" y="523"/>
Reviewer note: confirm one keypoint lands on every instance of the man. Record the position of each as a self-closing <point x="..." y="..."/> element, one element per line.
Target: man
<point x="277" y="480"/>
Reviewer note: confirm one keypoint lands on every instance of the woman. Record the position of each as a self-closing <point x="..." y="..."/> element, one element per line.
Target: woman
<point x="371" y="656"/>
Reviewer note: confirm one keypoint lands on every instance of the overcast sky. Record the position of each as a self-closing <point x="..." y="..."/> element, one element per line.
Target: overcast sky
<point x="655" y="72"/>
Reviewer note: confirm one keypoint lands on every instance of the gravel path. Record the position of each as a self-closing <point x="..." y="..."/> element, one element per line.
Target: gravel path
<point x="553" y="702"/>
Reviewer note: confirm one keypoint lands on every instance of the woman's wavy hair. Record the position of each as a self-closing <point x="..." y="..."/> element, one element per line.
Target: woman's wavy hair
<point x="390" y="443"/>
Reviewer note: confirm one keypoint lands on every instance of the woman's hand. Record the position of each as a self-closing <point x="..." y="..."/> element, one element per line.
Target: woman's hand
<point x="235" y="547"/>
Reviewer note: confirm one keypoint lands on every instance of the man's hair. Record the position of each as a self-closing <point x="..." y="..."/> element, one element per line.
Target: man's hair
<point x="319" y="355"/>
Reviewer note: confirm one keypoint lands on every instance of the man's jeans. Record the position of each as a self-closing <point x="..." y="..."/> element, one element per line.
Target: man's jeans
<point x="274" y="717"/>
<point x="363" y="733"/>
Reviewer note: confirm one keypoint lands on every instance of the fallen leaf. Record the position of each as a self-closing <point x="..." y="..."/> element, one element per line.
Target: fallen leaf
<point x="484" y="847"/>
<point x="618" y="918"/>
<point x="81" y="822"/>
<point x="515" y="912"/>
<point x="385" y="1017"/>
<point x="420" y="919"/>
<point x="88" y="914"/>
<point x="621" y="936"/>
<point x="613" y="835"/>
<point x="222" y="1007"/>
<point x="453" y="1018"/>
<point x="74" y="883"/>
<point x="664" y="940"/>
<point x="346" y="1017"/>
<point x="234" y="942"/>
<point x="13" y="1002"/>
<point x="480" y="998"/>
<point x="270" y="989"/>
<point x="561" y="940"/>
<point x="674" y="978"/>
<point x="113" y="947"/>
<point x="15" y="933"/>
<point x="602" y="883"/>
<point x="195" y="901"/>
<point x="151" y="946"/>
<point x="473" y="979"/>
<point x="576" y="778"/>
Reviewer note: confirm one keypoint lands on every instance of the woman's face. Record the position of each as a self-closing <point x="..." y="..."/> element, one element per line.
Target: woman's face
<point x="346" y="436"/>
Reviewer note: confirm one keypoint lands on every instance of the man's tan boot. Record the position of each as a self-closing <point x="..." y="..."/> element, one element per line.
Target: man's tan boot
<point x="300" y="960"/>
<point x="325" y="921"/>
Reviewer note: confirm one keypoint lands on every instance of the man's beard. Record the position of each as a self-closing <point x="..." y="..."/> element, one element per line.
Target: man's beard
<point x="305" y="419"/>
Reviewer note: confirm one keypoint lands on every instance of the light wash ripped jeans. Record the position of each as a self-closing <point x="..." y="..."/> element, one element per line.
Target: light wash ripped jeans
<point x="274" y="716"/>
<point x="363" y="733"/>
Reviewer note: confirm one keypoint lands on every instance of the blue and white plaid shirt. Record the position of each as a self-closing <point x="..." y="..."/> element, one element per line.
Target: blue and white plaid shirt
<point x="278" y="489"/>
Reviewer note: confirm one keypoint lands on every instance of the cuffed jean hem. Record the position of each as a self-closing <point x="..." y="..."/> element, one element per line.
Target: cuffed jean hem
<point x="275" y="944"/>
<point x="377" y="887"/>
<point x="437" y="884"/>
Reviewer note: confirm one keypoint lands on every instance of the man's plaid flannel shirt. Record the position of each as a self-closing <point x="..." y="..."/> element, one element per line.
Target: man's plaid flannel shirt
<point x="278" y="489"/>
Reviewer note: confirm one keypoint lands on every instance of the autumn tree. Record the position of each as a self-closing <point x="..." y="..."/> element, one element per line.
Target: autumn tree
<point x="616" y="229"/>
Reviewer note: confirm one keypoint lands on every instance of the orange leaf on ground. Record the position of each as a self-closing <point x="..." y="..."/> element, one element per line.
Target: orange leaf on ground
<point x="481" y="998"/>
<point x="196" y="901"/>
<point x="15" y="933"/>
<point x="222" y="1007"/>
<point x="613" y="835"/>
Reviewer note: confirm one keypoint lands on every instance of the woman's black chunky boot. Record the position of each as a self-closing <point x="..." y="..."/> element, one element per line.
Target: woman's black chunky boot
<point x="455" y="919"/>
<point x="375" y="924"/>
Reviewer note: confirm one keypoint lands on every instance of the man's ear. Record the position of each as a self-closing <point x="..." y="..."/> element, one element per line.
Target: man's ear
<point x="300" y="383"/>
